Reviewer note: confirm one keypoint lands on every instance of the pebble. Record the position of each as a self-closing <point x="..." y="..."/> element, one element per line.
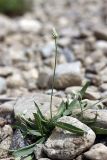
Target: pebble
<point x="97" y="152"/>
<point x="48" y="50"/>
<point x="29" y="25"/>
<point x="15" y="81"/>
<point x="5" y="140"/>
<point x="68" y="74"/>
<point x="3" y="85"/>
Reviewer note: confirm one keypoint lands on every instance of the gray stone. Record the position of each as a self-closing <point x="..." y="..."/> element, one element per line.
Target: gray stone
<point x="2" y="122"/>
<point x="3" y="85"/>
<point x="29" y="25"/>
<point x="25" y="105"/>
<point x="5" y="140"/>
<point x="7" y="108"/>
<point x="48" y="50"/>
<point x="100" y="33"/>
<point x="17" y="140"/>
<point x="79" y="158"/>
<point x="63" y="144"/>
<point x="103" y="87"/>
<point x="16" y="80"/>
<point x="97" y="152"/>
<point x="43" y="78"/>
<point x="64" y="42"/>
<point x="101" y="120"/>
<point x="101" y="45"/>
<point x="69" y="55"/>
<point x="6" y="71"/>
<point x="94" y="78"/>
<point x="17" y="54"/>
<point x="68" y="74"/>
<point x="38" y="151"/>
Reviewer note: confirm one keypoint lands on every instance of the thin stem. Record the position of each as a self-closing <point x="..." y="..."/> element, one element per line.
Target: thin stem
<point x="53" y="79"/>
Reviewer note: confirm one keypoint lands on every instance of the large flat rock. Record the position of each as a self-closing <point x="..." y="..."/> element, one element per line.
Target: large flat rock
<point x="25" y="104"/>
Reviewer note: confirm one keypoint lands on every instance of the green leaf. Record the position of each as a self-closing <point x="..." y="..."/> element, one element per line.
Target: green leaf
<point x="28" y="158"/>
<point x="70" y="128"/>
<point x="60" y="112"/>
<point x="25" y="151"/>
<point x="99" y="130"/>
<point x="38" y="122"/>
<point x="71" y="106"/>
<point x="39" y="112"/>
<point x="28" y="150"/>
<point x="34" y="132"/>
<point x="61" y="108"/>
<point x="83" y="90"/>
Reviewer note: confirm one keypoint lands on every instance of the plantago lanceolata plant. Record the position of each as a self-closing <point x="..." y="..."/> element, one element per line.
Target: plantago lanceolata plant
<point x="37" y="131"/>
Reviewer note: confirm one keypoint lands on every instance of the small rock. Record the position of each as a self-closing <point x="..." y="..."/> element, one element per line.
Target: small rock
<point x="17" y="140"/>
<point x="79" y="158"/>
<point x="101" y="118"/>
<point x="103" y="73"/>
<point x="68" y="74"/>
<point x="38" y="151"/>
<point x="64" y="42"/>
<point x="100" y="33"/>
<point x="78" y="49"/>
<point x="3" y="85"/>
<point x="17" y="54"/>
<point x="69" y="55"/>
<point x="68" y="32"/>
<point x="2" y="122"/>
<point x="5" y="140"/>
<point x="63" y="144"/>
<point x="90" y="43"/>
<point x="94" y="79"/>
<point x="29" y="25"/>
<point x="101" y="45"/>
<point x="103" y="87"/>
<point x="97" y="56"/>
<point x="7" y="108"/>
<point x="48" y="50"/>
<point x="43" y="78"/>
<point x="15" y="81"/>
<point x="97" y="152"/>
<point x="6" y="71"/>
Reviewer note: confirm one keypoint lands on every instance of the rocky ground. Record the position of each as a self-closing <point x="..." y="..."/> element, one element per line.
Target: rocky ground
<point x="27" y="61"/>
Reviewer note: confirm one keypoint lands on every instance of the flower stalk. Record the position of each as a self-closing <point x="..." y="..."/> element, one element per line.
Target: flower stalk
<point x="55" y="36"/>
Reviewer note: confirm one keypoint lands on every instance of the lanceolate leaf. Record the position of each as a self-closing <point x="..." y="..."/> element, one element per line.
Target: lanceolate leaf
<point x="61" y="108"/>
<point x="34" y="132"/>
<point x="60" y="112"/>
<point x="83" y="90"/>
<point x="28" y="158"/>
<point x="39" y="112"/>
<point x="28" y="150"/>
<point x="70" y="128"/>
<point x="99" y="130"/>
<point x="71" y="106"/>
<point x="25" y="151"/>
<point x="38" y="123"/>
